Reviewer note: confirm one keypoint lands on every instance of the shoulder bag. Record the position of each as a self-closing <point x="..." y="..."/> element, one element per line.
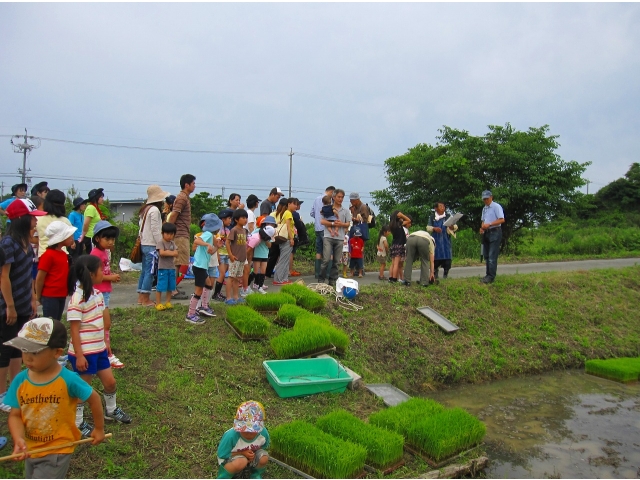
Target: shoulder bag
<point x="282" y="232"/>
<point x="136" y="251"/>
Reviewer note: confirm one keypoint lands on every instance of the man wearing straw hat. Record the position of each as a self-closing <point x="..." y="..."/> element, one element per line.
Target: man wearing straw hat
<point x="43" y="400"/>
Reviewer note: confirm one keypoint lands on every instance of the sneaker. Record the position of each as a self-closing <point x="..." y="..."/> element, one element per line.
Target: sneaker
<point x="231" y="301"/>
<point x="168" y="306"/>
<point x="118" y="415"/>
<point x="85" y="429"/>
<point x="262" y="290"/>
<point x="219" y="297"/>
<point x="178" y="295"/>
<point x="206" y="311"/>
<point x="254" y="286"/>
<point x="3" y="406"/>
<point x="244" y="293"/>
<point x="286" y="282"/>
<point x="241" y="300"/>
<point x="115" y="362"/>
<point x="195" y="319"/>
<point x="294" y="274"/>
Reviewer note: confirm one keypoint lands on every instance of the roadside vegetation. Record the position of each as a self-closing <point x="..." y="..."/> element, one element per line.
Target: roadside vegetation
<point x="182" y="383"/>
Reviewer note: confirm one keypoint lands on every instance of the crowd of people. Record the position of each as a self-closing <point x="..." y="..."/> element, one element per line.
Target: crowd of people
<point x="60" y="261"/>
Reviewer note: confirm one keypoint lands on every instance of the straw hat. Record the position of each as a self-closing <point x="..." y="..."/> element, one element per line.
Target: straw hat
<point x="156" y="194"/>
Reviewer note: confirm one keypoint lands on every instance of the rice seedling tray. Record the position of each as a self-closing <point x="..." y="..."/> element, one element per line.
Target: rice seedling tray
<point x="288" y="467"/>
<point x="622" y="370"/>
<point x="307" y="475"/>
<point x="432" y="463"/>
<point x="303" y="377"/>
<point x="239" y="335"/>
<point x="386" y="471"/>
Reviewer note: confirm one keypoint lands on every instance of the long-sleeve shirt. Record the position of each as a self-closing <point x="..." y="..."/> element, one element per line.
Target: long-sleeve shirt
<point x="151" y="234"/>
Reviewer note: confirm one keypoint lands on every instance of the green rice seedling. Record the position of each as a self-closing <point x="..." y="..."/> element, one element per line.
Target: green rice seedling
<point x="384" y="448"/>
<point x="270" y="302"/>
<point x="248" y="322"/>
<point x="305" y="298"/>
<point x="288" y="314"/>
<point x="300" y="341"/>
<point x="618" y="369"/>
<point x="315" y="452"/>
<point x="403" y="415"/>
<point x="445" y="434"/>
<point x="338" y="338"/>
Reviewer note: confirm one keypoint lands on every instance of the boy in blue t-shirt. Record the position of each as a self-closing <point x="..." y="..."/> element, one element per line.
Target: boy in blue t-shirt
<point x="210" y="224"/>
<point x="243" y="447"/>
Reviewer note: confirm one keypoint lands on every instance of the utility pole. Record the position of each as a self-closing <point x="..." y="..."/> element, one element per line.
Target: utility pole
<point x="24" y="148"/>
<point x="588" y="182"/>
<point x="290" y="169"/>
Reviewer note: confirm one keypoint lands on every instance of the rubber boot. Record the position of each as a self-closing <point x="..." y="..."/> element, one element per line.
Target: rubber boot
<point x="223" y="473"/>
<point x="257" y="472"/>
<point x="318" y="266"/>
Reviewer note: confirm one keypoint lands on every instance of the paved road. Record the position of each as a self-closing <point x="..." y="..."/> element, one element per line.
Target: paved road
<point x="126" y="296"/>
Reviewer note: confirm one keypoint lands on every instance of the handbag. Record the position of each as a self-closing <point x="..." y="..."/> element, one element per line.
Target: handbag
<point x="136" y="251"/>
<point x="281" y="236"/>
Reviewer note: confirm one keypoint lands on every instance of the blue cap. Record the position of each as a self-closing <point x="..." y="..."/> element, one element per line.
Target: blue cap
<point x="270" y="219"/>
<point x="486" y="194"/>
<point x="226" y="213"/>
<point x="211" y="222"/>
<point x="103" y="225"/>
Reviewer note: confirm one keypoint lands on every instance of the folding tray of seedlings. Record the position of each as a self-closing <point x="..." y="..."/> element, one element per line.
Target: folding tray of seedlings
<point x="434" y="433"/>
<point x="305" y="298"/>
<point x="623" y="370"/>
<point x="316" y="453"/>
<point x="246" y="323"/>
<point x="269" y="302"/>
<point x="384" y="447"/>
<point x="288" y="314"/>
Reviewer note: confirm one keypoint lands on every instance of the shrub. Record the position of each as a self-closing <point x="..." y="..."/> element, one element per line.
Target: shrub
<point x="400" y="417"/>
<point x="247" y="321"/>
<point x="288" y="314"/>
<point x="270" y="302"/>
<point x="618" y="369"/>
<point x="308" y="448"/>
<point x="306" y="298"/>
<point x="445" y="434"/>
<point x="300" y="341"/>
<point x="384" y="448"/>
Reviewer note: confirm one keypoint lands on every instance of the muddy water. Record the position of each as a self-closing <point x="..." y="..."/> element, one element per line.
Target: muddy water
<point x="558" y="425"/>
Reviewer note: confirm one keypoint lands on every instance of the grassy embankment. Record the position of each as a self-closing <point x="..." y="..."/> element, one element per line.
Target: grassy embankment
<point x="182" y="383"/>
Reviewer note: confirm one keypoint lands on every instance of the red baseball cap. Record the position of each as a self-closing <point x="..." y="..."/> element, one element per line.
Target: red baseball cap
<point x="23" y="206"/>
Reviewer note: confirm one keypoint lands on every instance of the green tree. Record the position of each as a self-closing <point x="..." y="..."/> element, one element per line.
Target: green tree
<point x="521" y="168"/>
<point x="203" y="202"/>
<point x="623" y="193"/>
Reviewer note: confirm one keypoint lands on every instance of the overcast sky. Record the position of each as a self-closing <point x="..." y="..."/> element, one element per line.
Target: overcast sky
<point x="357" y="82"/>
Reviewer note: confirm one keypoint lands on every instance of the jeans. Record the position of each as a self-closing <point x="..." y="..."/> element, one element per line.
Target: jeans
<point x="146" y="279"/>
<point x="330" y="246"/>
<point x="281" y="273"/>
<point x="491" y="243"/>
<point x="52" y="307"/>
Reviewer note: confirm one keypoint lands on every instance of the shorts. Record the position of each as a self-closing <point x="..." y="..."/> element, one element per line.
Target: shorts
<point x="107" y="298"/>
<point x="256" y="259"/>
<point x="224" y="259"/>
<point x="356" y="264"/>
<point x="34" y="270"/>
<point x="398" y="250"/>
<point x="344" y="260"/>
<point x="166" y="280"/>
<point x="54" y="465"/>
<point x="236" y="269"/>
<point x="200" y="275"/>
<point x="213" y="272"/>
<point x="97" y="362"/>
<point x="382" y="260"/>
<point x="182" y="245"/>
<point x="8" y="332"/>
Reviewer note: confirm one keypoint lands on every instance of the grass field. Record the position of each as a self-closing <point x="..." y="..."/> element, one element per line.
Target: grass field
<point x="182" y="383"/>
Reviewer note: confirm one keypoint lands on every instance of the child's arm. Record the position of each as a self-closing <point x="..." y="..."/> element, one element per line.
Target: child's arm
<point x="98" y="417"/>
<point x="114" y="277"/>
<point x="16" y="427"/>
<point x="201" y="243"/>
<point x="168" y="253"/>
<point x="228" y="247"/>
<point x="81" y="362"/>
<point x="40" y="284"/>
<point x="7" y="294"/>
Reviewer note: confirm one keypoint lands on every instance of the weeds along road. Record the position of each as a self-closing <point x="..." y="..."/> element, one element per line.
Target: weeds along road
<point x="126" y="296"/>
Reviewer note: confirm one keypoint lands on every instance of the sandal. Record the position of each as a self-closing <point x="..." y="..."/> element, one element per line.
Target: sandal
<point x="152" y="304"/>
<point x="160" y="307"/>
<point x="381" y="278"/>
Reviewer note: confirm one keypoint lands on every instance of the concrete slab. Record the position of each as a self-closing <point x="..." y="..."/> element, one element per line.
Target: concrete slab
<point x="390" y="395"/>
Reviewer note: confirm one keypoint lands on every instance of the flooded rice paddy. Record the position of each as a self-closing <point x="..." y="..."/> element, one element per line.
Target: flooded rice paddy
<point x="557" y="425"/>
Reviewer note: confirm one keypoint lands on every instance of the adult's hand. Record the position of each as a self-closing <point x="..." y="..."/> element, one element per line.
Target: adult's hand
<point x="437" y="229"/>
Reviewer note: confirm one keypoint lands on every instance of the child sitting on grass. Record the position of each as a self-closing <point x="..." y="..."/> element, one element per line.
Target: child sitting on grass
<point x="244" y="446"/>
<point x="167" y="251"/>
<point x="210" y="224"/>
<point x="43" y="400"/>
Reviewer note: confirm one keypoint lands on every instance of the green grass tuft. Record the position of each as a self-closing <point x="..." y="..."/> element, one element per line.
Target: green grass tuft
<point x="618" y="369"/>
<point x="384" y="448"/>
<point x="248" y="322"/>
<point x="305" y="298"/>
<point x="319" y="454"/>
<point x="270" y="302"/>
<point x="288" y="314"/>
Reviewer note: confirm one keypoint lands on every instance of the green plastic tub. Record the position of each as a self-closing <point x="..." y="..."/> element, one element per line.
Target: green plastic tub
<point x="306" y="376"/>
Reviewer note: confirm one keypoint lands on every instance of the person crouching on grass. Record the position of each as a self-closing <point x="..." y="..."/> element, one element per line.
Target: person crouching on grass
<point x="237" y="248"/>
<point x="167" y="251"/>
<point x="88" y="351"/>
<point x="205" y="247"/>
<point x="243" y="447"/>
<point x="43" y="400"/>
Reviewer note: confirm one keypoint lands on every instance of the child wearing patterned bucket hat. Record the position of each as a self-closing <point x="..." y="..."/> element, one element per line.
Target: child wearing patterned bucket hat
<point x="243" y="447"/>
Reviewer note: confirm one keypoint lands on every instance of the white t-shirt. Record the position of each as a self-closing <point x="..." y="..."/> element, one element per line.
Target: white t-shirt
<point x="345" y="244"/>
<point x="251" y="219"/>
